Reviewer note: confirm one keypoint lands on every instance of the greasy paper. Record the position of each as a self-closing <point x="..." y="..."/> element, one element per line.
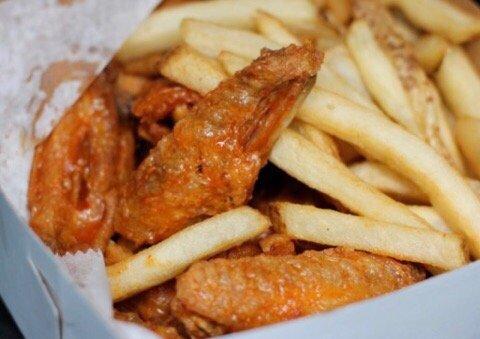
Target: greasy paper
<point x="49" y="51"/>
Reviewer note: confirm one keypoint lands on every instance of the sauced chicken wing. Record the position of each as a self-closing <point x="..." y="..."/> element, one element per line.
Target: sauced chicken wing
<point x="234" y="295"/>
<point x="211" y="160"/>
<point x="88" y="152"/>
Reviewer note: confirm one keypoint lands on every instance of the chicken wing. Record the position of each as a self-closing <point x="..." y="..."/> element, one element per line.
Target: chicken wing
<point x="89" y="152"/>
<point x="211" y="160"/>
<point x="249" y="292"/>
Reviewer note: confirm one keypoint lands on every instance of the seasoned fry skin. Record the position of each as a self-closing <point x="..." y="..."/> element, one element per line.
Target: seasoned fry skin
<point x="210" y="162"/>
<point x="88" y="153"/>
<point x="249" y="292"/>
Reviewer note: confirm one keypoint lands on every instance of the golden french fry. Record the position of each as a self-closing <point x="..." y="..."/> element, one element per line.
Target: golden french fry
<point x="324" y="43"/>
<point x="232" y="62"/>
<point x="403" y="28"/>
<point x="459" y="83"/>
<point x="393" y="184"/>
<point x="321" y="171"/>
<point x="384" y="179"/>
<point x="467" y="132"/>
<point x="192" y="69"/>
<point x="329" y="227"/>
<point x="274" y="29"/>
<point x="167" y="259"/>
<point x="131" y="85"/>
<point x="331" y="81"/>
<point x="160" y="30"/>
<point x="429" y="50"/>
<point x="339" y="60"/>
<point x="456" y="20"/>
<point x="211" y="39"/>
<point x="384" y="140"/>
<point x="432" y="217"/>
<point x="322" y="140"/>
<point x="380" y="76"/>
<point x="399" y="84"/>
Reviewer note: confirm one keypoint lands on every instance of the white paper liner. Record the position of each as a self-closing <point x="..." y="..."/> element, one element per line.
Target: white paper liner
<point x="87" y="270"/>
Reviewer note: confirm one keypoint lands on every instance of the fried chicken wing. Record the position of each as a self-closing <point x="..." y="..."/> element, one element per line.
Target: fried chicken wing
<point x="249" y="292"/>
<point x="70" y="202"/>
<point x="211" y="160"/>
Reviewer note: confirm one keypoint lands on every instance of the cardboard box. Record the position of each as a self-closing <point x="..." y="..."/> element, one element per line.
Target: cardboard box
<point x="47" y="304"/>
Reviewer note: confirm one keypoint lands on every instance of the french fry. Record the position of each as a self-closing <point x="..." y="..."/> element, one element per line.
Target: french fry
<point x="399" y="84"/>
<point x="325" y="43"/>
<point x="232" y="62"/>
<point x="432" y="217"/>
<point x="396" y="186"/>
<point x="131" y="85"/>
<point x="322" y="140"/>
<point x="456" y="20"/>
<point x="161" y="30"/>
<point x="211" y="39"/>
<point x="192" y="69"/>
<point x="384" y="179"/>
<point x="331" y="81"/>
<point x="340" y="61"/>
<point x="329" y="227"/>
<point x="321" y="171"/>
<point x="274" y="29"/>
<point x="467" y="131"/>
<point x="389" y="143"/>
<point x="429" y="50"/>
<point x="459" y="83"/>
<point x="170" y="257"/>
<point x="403" y="28"/>
<point x="380" y="76"/>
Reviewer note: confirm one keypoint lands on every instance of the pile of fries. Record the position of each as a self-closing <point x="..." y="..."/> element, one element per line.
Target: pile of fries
<point x="389" y="134"/>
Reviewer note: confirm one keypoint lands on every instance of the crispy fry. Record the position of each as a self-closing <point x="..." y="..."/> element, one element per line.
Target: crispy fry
<point x="456" y="20"/>
<point x="340" y="61"/>
<point x="167" y="259"/>
<point x="161" y="30"/>
<point x="380" y="76"/>
<point x="274" y="29"/>
<point x="413" y="100"/>
<point x="393" y="184"/>
<point x="232" y="62"/>
<point x="389" y="143"/>
<point x="301" y="159"/>
<point x="459" y="82"/>
<point x="384" y="179"/>
<point x="320" y="139"/>
<point x="467" y="131"/>
<point x="432" y="217"/>
<point x="429" y="50"/>
<point x="193" y="70"/>
<point x="333" y="228"/>
<point x="212" y="39"/>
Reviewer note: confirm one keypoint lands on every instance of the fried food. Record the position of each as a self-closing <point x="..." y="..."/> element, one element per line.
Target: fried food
<point x="250" y="292"/>
<point x="397" y="81"/>
<point x="70" y="199"/>
<point x="332" y="228"/>
<point x="211" y="160"/>
<point x="164" y="261"/>
<point x="447" y="190"/>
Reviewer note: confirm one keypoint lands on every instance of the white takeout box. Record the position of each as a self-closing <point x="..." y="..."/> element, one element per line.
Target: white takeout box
<point x="47" y="304"/>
